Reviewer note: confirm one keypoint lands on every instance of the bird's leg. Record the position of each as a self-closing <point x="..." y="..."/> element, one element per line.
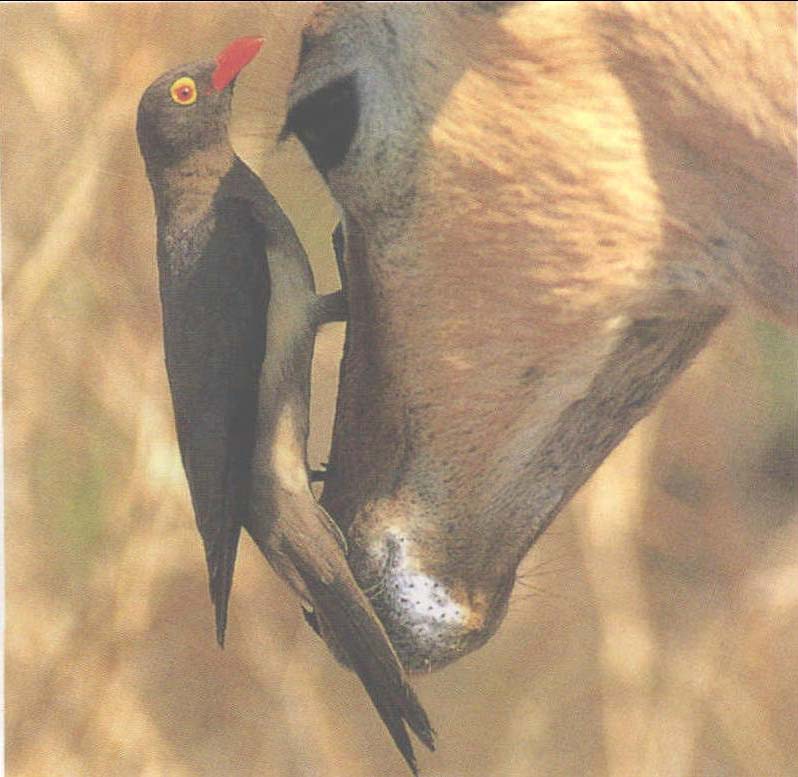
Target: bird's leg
<point x="319" y="475"/>
<point x="330" y="307"/>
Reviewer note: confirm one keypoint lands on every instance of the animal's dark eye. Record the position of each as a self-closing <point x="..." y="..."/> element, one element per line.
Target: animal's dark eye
<point x="325" y="122"/>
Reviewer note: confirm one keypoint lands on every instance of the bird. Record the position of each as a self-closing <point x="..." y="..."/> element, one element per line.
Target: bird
<point x="240" y="314"/>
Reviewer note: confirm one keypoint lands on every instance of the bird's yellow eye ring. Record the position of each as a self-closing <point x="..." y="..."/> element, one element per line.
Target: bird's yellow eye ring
<point x="184" y="91"/>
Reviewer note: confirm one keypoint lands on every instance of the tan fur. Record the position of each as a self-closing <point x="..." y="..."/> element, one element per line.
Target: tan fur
<point x="548" y="209"/>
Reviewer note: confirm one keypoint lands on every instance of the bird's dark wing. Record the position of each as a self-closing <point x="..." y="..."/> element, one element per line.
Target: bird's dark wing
<point x="215" y="334"/>
<point x="347" y="620"/>
<point x="300" y="537"/>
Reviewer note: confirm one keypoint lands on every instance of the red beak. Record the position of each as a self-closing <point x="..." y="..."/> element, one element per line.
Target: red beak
<point x="232" y="60"/>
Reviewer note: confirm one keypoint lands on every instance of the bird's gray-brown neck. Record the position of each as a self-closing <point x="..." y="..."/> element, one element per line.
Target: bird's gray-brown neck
<point x="184" y="193"/>
<point x="184" y="190"/>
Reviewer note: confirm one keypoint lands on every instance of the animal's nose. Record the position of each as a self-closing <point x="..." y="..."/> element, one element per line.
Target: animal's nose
<point x="431" y="619"/>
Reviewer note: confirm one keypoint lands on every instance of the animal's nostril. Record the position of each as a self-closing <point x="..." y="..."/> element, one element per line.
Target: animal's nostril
<point x="325" y="122"/>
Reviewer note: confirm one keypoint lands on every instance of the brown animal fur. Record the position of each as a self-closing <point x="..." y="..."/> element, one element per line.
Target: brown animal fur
<point x="548" y="209"/>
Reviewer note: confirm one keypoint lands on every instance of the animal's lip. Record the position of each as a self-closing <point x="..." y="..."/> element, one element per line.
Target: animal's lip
<point x="231" y="60"/>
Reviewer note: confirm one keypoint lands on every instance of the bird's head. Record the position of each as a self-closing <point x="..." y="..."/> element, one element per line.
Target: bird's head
<point x="187" y="109"/>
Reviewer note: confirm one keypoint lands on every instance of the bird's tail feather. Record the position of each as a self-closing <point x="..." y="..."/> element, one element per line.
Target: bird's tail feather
<point x="220" y="570"/>
<point x="346" y="613"/>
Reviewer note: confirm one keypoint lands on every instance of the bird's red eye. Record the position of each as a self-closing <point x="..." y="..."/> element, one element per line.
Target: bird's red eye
<point x="184" y="91"/>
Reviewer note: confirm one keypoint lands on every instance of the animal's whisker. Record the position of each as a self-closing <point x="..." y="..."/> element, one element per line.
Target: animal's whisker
<point x="120" y="176"/>
<point x="551" y="565"/>
<point x="532" y="591"/>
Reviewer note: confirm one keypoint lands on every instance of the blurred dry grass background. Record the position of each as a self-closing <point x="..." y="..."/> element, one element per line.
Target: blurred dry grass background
<point x="654" y="632"/>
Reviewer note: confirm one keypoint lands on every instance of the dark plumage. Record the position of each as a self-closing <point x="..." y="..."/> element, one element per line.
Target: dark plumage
<point x="240" y="314"/>
<point x="214" y="292"/>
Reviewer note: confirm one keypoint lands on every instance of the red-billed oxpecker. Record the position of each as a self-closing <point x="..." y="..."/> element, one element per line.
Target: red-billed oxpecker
<point x="240" y="314"/>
